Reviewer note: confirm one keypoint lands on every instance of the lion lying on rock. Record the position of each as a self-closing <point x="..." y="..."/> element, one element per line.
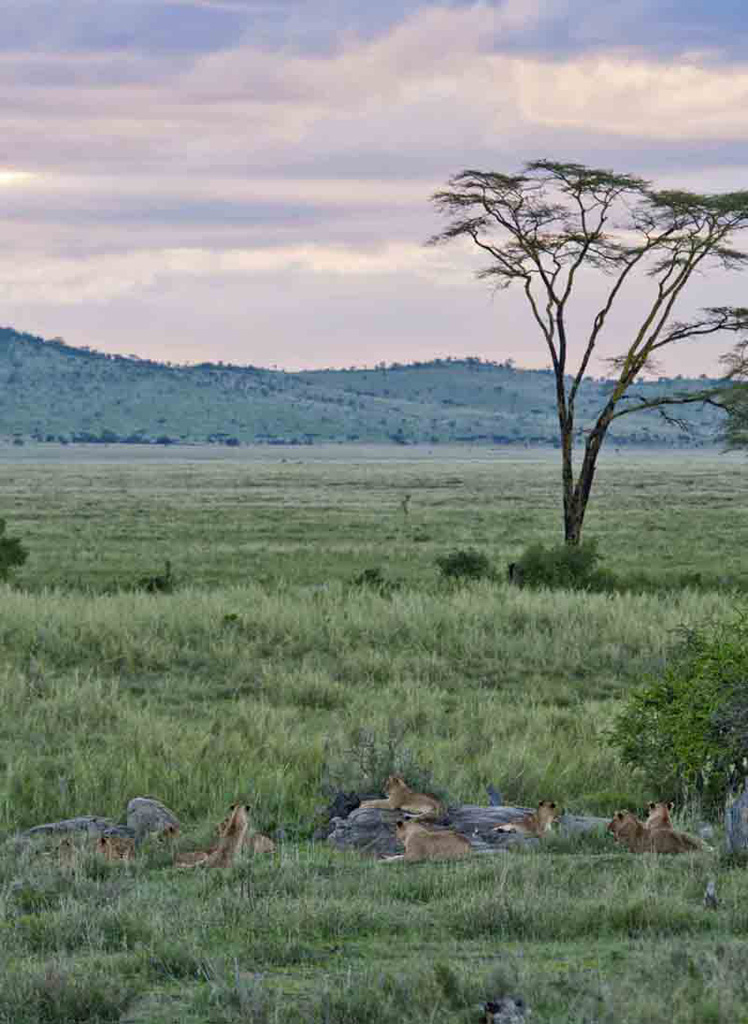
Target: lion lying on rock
<point x="400" y="797"/>
<point x="535" y="823"/>
<point x="424" y="844"/>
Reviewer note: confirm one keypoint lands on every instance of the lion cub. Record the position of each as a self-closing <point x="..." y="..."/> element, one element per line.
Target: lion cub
<point x="191" y="858"/>
<point x="659" y="821"/>
<point x="254" y="841"/>
<point x="628" y="830"/>
<point x="534" y="823"/>
<point x="659" y="815"/>
<point x="400" y="797"/>
<point x="422" y="844"/>
<point x="231" y="840"/>
<point x="232" y="832"/>
<point x="116" y="847"/>
<point x="67" y="855"/>
<point x="259" y="843"/>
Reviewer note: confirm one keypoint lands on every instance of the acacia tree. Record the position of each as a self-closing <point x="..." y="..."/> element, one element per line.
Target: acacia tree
<point x="544" y="226"/>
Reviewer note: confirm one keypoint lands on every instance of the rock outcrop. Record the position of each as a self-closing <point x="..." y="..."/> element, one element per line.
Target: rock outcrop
<point x="89" y="823"/>
<point x="372" y="831"/>
<point x="145" y="814"/>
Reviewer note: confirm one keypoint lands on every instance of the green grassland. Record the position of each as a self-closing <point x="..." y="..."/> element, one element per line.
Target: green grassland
<point x="269" y="673"/>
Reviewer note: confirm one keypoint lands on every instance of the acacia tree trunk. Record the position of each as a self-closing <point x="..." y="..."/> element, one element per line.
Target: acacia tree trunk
<point x="572" y="517"/>
<point x="577" y="493"/>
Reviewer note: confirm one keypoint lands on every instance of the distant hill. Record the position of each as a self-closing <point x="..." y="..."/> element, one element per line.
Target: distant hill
<point x="52" y="391"/>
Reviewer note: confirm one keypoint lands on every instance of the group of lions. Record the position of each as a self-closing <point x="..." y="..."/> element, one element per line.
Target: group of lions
<point x="418" y="833"/>
<point x="655" y="835"/>
<point x="424" y="843"/>
<point x="421" y="842"/>
<point x="233" y="835"/>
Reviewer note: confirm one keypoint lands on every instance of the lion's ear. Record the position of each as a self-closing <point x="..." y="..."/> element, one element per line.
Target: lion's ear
<point x="671" y="805"/>
<point x="651" y="805"/>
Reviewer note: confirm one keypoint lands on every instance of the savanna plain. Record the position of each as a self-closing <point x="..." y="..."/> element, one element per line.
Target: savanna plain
<point x="278" y="669"/>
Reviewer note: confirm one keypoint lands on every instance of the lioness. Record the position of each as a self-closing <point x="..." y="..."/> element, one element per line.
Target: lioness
<point x="534" y="823"/>
<point x="422" y="844"/>
<point x="400" y="797"/>
<point x="627" y="829"/>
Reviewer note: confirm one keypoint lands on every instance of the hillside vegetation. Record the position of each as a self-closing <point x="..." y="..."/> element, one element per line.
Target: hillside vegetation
<point x="52" y="391"/>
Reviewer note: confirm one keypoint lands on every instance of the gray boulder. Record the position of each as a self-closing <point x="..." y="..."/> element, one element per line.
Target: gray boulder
<point x="146" y="814"/>
<point x="89" y="823"/>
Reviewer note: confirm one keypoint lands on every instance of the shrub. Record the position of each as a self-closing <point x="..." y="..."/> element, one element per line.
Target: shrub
<point x="368" y="758"/>
<point x="687" y="730"/>
<point x="375" y="579"/>
<point x="12" y="553"/>
<point x="59" y="993"/>
<point x="465" y="564"/>
<point x="567" y="566"/>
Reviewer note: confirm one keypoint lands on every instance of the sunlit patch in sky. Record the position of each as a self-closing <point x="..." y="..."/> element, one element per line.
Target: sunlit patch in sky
<point x="15" y="177"/>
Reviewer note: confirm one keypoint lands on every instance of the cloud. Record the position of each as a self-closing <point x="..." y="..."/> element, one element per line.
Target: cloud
<point x="81" y="26"/>
<point x="99" y="279"/>
<point x="433" y="92"/>
<point x="634" y="97"/>
<point x="287" y="183"/>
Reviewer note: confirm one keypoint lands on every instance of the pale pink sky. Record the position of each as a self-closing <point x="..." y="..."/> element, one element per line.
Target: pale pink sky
<point x="249" y="181"/>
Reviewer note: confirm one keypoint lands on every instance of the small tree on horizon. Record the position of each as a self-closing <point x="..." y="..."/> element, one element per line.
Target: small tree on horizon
<point x="543" y="226"/>
<point x="734" y="398"/>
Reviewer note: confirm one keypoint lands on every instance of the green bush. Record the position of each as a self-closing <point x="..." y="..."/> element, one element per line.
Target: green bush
<point x="60" y="992"/>
<point x="375" y="579"/>
<point x="687" y="730"/>
<point x="465" y="564"/>
<point x="565" y="566"/>
<point x="368" y="757"/>
<point x="12" y="553"/>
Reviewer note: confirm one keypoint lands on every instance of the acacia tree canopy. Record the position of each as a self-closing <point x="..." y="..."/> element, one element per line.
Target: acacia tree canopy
<point x="542" y="227"/>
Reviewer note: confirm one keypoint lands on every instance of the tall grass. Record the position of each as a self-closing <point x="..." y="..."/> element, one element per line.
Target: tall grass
<point x="257" y="677"/>
<point x="206" y="694"/>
